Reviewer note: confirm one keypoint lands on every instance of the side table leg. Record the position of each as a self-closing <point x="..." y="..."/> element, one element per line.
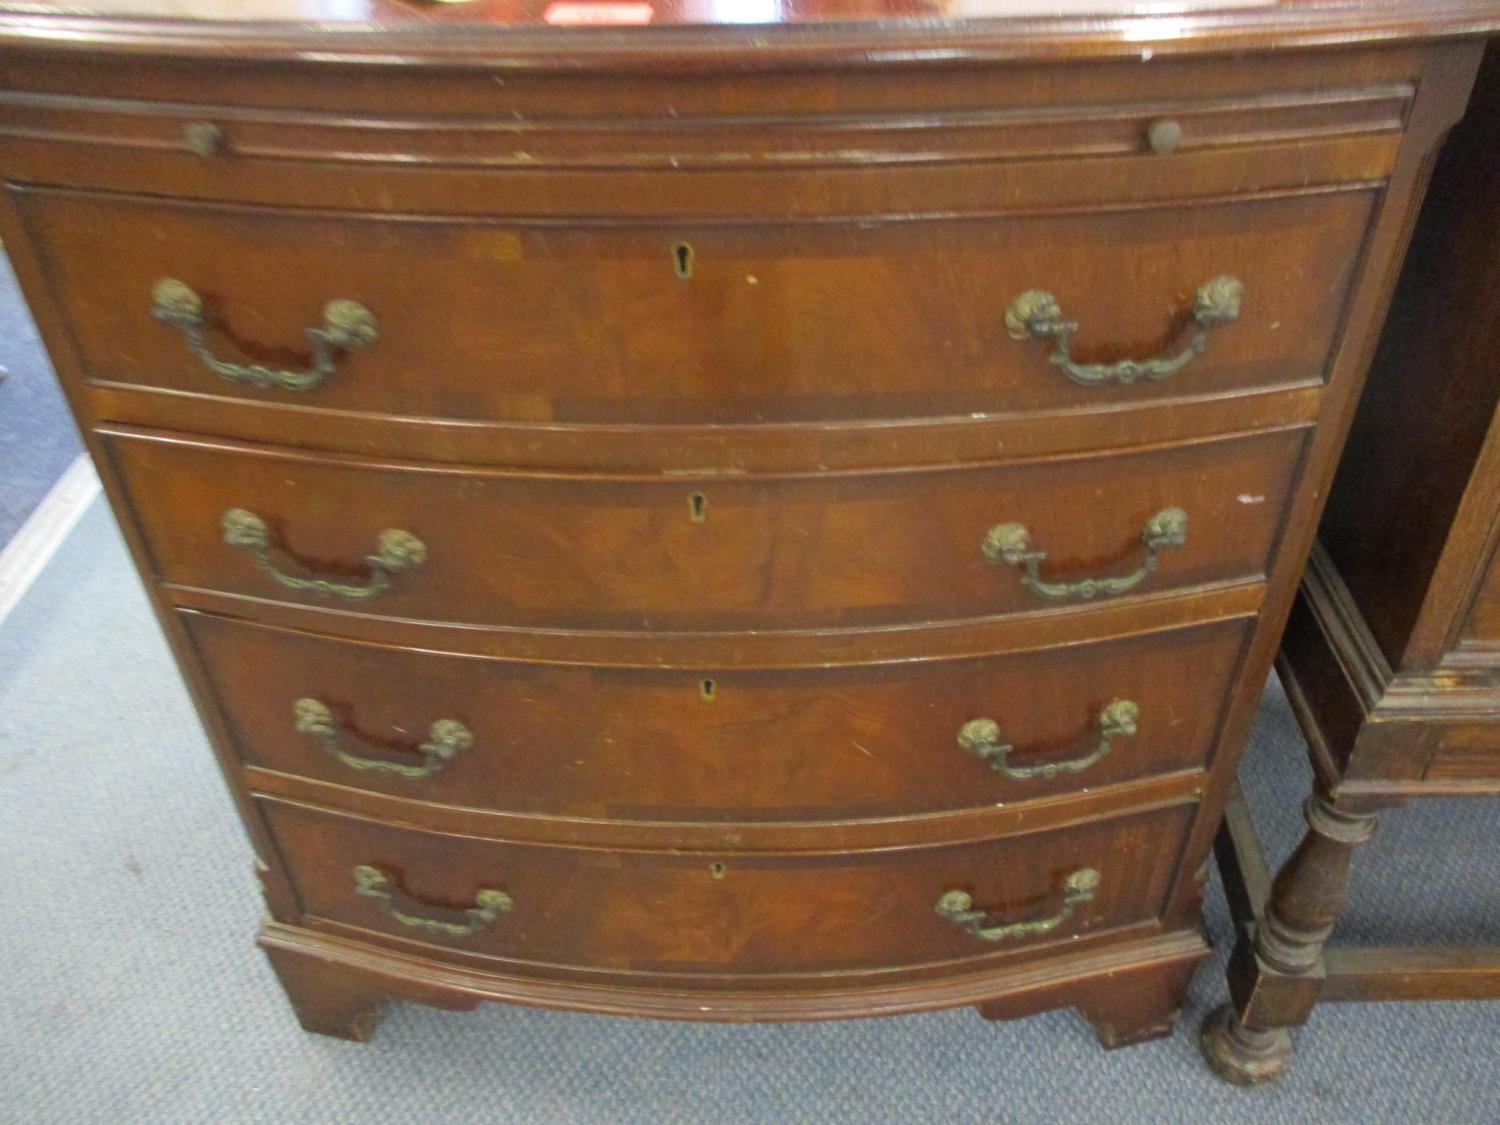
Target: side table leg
<point x="1276" y="977"/>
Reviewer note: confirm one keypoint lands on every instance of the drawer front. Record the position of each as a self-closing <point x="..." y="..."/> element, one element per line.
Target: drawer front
<point x="718" y="554"/>
<point x="715" y="745"/>
<point x="740" y="914"/>
<point x="754" y="323"/>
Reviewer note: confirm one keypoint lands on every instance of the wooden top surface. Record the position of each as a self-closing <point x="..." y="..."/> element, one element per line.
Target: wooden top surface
<point x="719" y="34"/>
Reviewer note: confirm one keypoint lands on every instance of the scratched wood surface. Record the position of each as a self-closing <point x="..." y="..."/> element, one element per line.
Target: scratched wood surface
<point x="637" y="472"/>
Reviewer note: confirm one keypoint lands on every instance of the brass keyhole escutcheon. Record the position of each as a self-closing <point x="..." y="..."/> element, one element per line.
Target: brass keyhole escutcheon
<point x="698" y="507"/>
<point x="682" y="260"/>
<point x="717" y="870"/>
<point x="708" y="690"/>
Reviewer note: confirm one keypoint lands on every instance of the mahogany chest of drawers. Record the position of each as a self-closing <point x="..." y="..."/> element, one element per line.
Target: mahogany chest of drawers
<point x="723" y="522"/>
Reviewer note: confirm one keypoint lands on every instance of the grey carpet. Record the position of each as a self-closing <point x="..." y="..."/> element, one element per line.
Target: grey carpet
<point x="37" y="438"/>
<point x="130" y="990"/>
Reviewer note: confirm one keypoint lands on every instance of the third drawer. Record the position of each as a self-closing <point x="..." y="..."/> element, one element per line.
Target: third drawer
<point x="719" y="745"/>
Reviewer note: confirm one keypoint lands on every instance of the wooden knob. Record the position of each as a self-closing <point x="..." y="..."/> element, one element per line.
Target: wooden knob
<point x="203" y="138"/>
<point x="1164" y="136"/>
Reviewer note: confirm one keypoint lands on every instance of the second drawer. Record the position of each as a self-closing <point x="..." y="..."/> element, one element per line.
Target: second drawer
<point x="707" y="745"/>
<point x="706" y="554"/>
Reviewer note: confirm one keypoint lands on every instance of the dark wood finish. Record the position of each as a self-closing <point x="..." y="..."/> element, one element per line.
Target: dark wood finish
<point x="1422" y="430"/>
<point x="855" y="420"/>
<point x="1389" y="657"/>
<point x="1136" y="1008"/>
<point x="830" y="830"/>
<point x="1022" y="632"/>
<point x="1247" y="883"/>
<point x="728" y="920"/>
<point x="1021" y="124"/>
<point x="707" y="744"/>
<point x="764" y="553"/>
<point x="1411" y="973"/>
<point x="809" y="196"/>
<point x="1027" y="984"/>
<point x="778" y="323"/>
<point x="328" y="998"/>
<point x="716" y="450"/>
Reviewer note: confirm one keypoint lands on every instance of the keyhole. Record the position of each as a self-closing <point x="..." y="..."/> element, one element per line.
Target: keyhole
<point x="682" y="260"/>
<point x="717" y="870"/>
<point x="708" y="689"/>
<point x="697" y="507"/>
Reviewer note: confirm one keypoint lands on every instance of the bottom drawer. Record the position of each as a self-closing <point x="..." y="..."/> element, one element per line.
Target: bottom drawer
<point x="544" y="908"/>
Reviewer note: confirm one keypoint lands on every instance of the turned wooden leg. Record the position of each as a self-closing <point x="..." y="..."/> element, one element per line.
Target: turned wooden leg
<point x="1276" y="976"/>
<point x="328" y="998"/>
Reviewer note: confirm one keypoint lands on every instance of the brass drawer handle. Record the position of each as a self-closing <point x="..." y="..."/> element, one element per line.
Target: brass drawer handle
<point x="982" y="737"/>
<point x="446" y="739"/>
<point x="347" y="326"/>
<point x="1010" y="544"/>
<point x="957" y="907"/>
<point x="375" y="883"/>
<point x="1037" y="314"/>
<point x="395" y="551"/>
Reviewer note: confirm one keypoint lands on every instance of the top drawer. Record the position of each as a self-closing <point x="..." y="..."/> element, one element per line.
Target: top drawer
<point x="596" y="323"/>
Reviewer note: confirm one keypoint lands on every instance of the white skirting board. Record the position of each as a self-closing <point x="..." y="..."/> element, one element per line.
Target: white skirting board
<point x="27" y="555"/>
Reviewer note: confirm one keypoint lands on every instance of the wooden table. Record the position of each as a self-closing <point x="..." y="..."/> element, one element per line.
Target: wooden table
<point x="1391" y="658"/>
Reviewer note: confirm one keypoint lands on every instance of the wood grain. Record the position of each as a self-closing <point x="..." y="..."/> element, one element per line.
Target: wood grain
<point x="777" y="324"/>
<point x="776" y="553"/>
<point x="861" y="134"/>
<point x="1387" y="659"/>
<point x="715" y="745"/>
<point x="634" y="913"/>
<point x="848" y="449"/>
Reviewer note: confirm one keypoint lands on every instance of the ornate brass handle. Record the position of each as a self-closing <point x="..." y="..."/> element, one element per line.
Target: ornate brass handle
<point x="1010" y="544"/>
<point x="1036" y="314"/>
<point x="982" y="737"/>
<point x="446" y="739"/>
<point x="375" y="883"/>
<point x="957" y="907"/>
<point x="347" y="326"/>
<point x="395" y="551"/>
